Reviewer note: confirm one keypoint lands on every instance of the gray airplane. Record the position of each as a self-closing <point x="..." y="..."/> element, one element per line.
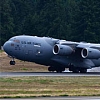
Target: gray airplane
<point x="55" y="53"/>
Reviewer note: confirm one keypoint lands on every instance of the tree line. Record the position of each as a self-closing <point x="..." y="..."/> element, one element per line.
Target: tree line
<point x="74" y="20"/>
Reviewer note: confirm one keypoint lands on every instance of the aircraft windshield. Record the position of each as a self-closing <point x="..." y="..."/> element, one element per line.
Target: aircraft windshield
<point x="14" y="40"/>
<point x="17" y="41"/>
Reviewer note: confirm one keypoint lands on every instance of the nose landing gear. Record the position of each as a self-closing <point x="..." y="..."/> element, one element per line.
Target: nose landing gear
<point x="12" y="62"/>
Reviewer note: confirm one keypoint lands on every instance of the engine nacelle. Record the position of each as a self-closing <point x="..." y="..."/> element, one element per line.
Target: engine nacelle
<point x="90" y="53"/>
<point x="62" y="50"/>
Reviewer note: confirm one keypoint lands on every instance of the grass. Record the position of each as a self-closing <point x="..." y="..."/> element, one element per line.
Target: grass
<point x="20" y="66"/>
<point x="1" y="51"/>
<point x="18" y="87"/>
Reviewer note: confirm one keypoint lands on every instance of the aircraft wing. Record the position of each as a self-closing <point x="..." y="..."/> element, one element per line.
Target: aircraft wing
<point x="84" y="50"/>
<point x="79" y="54"/>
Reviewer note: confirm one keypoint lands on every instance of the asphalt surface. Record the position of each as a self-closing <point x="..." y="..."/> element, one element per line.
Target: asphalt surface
<point x="59" y="98"/>
<point x="21" y="74"/>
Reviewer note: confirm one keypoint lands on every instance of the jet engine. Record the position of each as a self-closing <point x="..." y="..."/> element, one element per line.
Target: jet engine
<point x="62" y="50"/>
<point x="90" y="53"/>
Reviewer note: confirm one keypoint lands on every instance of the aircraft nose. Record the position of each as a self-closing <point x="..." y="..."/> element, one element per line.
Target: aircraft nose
<point x="6" y="46"/>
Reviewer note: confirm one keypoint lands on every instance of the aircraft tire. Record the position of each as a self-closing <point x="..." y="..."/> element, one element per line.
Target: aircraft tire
<point x="12" y="62"/>
<point x="59" y="70"/>
<point x="83" y="70"/>
<point x="75" y="71"/>
<point x="51" y="69"/>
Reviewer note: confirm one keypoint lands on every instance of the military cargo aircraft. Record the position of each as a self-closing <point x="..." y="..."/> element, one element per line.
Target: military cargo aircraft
<point x="56" y="54"/>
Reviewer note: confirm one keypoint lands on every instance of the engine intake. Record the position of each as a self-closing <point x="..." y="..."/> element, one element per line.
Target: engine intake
<point x="90" y="53"/>
<point x="62" y="49"/>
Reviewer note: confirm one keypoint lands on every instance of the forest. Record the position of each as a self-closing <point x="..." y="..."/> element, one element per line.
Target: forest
<point x="72" y="20"/>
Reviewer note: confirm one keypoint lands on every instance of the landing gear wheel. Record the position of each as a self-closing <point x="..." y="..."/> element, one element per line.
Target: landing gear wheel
<point x="60" y="70"/>
<point x="12" y="62"/>
<point x="75" y="71"/>
<point x="51" y="69"/>
<point x="83" y="70"/>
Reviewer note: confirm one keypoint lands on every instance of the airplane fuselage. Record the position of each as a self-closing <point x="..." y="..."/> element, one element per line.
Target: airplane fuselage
<point x="29" y="48"/>
<point x="59" y="54"/>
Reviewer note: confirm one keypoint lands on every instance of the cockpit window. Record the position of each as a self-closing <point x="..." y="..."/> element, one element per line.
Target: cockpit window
<point x="14" y="40"/>
<point x="17" y="41"/>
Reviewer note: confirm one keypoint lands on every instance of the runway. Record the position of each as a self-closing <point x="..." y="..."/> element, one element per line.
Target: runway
<point x="21" y="74"/>
<point x="58" y="98"/>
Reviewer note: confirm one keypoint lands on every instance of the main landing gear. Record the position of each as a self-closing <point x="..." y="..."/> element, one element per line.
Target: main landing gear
<point x="12" y="62"/>
<point x="78" y="70"/>
<point x="58" y="70"/>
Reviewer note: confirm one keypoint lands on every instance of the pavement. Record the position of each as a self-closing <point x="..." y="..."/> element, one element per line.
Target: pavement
<point x="57" y="98"/>
<point x="21" y="74"/>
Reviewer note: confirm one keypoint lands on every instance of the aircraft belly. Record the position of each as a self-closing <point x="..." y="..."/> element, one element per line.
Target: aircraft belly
<point x="61" y="60"/>
<point x="65" y="61"/>
<point x="96" y="62"/>
<point x="84" y="63"/>
<point x="27" y="55"/>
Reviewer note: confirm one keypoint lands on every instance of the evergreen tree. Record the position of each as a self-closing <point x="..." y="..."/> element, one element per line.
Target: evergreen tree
<point x="87" y="21"/>
<point x="6" y="21"/>
<point x="76" y="20"/>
